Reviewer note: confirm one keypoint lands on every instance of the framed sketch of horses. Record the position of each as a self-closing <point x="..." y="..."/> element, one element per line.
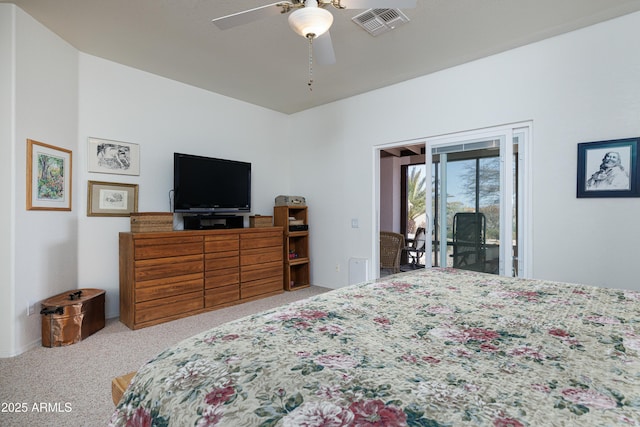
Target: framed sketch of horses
<point x="115" y="157"/>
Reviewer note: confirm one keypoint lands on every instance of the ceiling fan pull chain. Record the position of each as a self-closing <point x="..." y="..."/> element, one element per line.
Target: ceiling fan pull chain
<point x="310" y="37"/>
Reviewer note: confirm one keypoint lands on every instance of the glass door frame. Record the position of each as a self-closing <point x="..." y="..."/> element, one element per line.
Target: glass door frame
<point x="505" y="134"/>
<point x="524" y="132"/>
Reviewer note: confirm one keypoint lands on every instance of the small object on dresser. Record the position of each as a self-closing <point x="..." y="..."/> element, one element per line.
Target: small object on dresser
<point x="144" y="222"/>
<point x="260" y="221"/>
<point x="72" y="316"/>
<point x="290" y="201"/>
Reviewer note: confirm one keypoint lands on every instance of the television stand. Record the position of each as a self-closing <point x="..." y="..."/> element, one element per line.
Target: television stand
<point x="211" y="222"/>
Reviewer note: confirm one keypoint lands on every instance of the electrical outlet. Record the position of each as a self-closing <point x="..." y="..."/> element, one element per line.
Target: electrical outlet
<point x="31" y="309"/>
<point x="338" y="267"/>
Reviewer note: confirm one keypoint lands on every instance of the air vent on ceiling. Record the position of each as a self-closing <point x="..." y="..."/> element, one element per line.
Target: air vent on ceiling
<point x="378" y="21"/>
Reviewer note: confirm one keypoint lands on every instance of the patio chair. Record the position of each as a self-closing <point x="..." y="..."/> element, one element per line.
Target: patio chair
<point x="416" y="247"/>
<point x="469" y="241"/>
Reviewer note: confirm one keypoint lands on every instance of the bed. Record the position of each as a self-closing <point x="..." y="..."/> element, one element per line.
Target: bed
<point x="437" y="347"/>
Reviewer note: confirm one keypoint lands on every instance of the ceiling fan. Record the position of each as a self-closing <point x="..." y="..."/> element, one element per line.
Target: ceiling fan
<point x="310" y="19"/>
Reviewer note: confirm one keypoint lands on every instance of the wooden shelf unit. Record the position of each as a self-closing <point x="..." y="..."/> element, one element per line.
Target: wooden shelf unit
<point x="295" y="247"/>
<point x="170" y="275"/>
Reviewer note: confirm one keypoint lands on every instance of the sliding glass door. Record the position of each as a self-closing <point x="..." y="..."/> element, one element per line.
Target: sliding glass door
<point x="474" y="200"/>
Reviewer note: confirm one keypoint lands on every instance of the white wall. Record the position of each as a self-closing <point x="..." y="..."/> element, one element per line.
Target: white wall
<point x="43" y="243"/>
<point x="579" y="87"/>
<point x="390" y="195"/>
<point x="163" y="117"/>
<point x="7" y="174"/>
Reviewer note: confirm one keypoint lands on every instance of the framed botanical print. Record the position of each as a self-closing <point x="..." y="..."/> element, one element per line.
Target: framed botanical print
<point x="49" y="171"/>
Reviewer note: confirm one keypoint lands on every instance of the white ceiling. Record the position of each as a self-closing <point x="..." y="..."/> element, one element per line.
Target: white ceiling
<point x="266" y="63"/>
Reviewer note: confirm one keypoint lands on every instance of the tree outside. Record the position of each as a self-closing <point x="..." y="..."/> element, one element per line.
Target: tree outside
<point x="489" y="191"/>
<point x="416" y="197"/>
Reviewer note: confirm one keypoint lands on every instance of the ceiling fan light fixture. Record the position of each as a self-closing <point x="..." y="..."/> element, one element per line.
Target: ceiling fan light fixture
<point x="311" y="20"/>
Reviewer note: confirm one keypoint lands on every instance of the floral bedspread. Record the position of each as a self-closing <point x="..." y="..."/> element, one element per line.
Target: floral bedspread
<point x="427" y="348"/>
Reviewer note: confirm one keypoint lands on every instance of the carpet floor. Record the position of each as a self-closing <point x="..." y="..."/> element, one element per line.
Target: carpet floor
<point x="71" y="386"/>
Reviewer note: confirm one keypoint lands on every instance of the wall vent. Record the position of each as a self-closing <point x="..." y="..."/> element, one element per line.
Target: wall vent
<point x="358" y="270"/>
<point x="378" y="21"/>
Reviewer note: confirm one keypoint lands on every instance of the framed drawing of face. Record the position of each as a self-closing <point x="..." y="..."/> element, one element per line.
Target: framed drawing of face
<point x="608" y="168"/>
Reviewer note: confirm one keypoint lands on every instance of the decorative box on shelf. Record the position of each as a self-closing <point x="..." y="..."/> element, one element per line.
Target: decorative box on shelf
<point x="290" y="201"/>
<point x="260" y="221"/>
<point x="144" y="222"/>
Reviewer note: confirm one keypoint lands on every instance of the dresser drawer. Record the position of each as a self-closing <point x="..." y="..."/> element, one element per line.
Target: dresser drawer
<point x="261" y="240"/>
<point x="167" y="307"/>
<point x="221" y="243"/>
<point x="223" y="295"/>
<point x="261" y="286"/>
<point x="260" y="256"/>
<point x="157" y="268"/>
<point x="223" y="277"/>
<point x="260" y="271"/>
<point x="168" y="287"/>
<point x="167" y="247"/>
<point x="221" y="260"/>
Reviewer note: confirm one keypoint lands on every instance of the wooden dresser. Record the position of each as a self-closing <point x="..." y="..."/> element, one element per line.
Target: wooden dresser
<point x="169" y="275"/>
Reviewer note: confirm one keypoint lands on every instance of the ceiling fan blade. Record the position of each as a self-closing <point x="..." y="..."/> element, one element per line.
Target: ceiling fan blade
<point x="251" y="15"/>
<point x="323" y="49"/>
<point x="379" y="4"/>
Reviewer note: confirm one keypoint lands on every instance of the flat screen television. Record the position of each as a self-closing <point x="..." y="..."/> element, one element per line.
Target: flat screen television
<point x="206" y="185"/>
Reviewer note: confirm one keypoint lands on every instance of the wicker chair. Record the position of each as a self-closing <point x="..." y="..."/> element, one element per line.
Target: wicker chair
<point x="391" y="245"/>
